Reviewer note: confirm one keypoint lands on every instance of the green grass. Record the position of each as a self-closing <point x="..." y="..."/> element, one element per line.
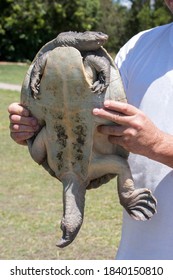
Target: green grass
<point x="31" y="207"/>
<point x="12" y="73"/>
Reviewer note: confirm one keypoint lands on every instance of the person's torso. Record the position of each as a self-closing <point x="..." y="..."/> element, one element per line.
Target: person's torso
<point x="147" y="73"/>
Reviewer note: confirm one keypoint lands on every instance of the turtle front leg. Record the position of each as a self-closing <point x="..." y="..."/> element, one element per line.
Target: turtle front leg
<point x="37" y="73"/>
<point x="139" y="203"/>
<point x="101" y="65"/>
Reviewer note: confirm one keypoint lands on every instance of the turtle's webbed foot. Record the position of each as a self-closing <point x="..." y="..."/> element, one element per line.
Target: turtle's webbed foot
<point x="140" y="204"/>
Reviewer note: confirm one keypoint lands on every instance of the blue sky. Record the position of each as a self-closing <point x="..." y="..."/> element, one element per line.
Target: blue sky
<point x="126" y="3"/>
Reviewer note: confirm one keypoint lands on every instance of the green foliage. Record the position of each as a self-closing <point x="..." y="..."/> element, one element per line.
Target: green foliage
<point x="153" y="16"/>
<point x="75" y="15"/>
<point x="25" y="25"/>
<point x="22" y="28"/>
<point x="144" y="15"/>
<point x="113" y="22"/>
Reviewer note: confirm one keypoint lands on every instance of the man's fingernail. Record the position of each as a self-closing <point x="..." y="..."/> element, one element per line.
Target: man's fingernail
<point x="106" y="103"/>
<point x="95" y="111"/>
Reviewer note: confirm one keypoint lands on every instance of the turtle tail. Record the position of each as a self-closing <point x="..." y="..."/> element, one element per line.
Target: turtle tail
<point x="73" y="203"/>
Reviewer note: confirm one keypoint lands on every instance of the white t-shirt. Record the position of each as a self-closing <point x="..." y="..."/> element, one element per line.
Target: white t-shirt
<point x="146" y="67"/>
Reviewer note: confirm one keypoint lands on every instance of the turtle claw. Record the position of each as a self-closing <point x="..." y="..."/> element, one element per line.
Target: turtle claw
<point x="35" y="90"/>
<point x="98" y="87"/>
<point x="37" y="73"/>
<point x="68" y="235"/>
<point x="63" y="243"/>
<point x="140" y="205"/>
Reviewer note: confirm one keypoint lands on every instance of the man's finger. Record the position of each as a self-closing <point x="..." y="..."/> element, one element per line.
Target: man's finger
<point x="121" y="107"/>
<point x="23" y="128"/>
<point x="112" y="116"/>
<point x="18" y="119"/>
<point x="112" y="130"/>
<point x="17" y="109"/>
<point x="21" y="137"/>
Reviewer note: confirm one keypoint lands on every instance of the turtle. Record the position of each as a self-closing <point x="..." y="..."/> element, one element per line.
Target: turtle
<point x="68" y="145"/>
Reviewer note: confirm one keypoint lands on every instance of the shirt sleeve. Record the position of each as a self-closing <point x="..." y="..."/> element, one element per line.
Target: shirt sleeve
<point x="124" y="58"/>
<point x="120" y="63"/>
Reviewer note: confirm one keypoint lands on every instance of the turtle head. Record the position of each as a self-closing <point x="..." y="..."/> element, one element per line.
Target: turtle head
<point x="83" y="41"/>
<point x="92" y="40"/>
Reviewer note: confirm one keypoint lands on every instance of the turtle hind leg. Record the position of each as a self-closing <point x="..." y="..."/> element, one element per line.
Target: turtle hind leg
<point x="73" y="203"/>
<point x="139" y="203"/>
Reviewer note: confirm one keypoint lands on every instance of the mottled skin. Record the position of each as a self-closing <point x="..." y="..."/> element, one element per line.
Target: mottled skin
<point x="69" y="145"/>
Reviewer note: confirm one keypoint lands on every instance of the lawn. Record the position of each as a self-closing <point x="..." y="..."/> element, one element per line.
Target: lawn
<point x="12" y="73"/>
<point x="31" y="207"/>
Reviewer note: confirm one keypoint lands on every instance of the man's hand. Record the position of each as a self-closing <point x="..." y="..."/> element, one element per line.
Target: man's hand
<point x="135" y="132"/>
<point x="22" y="125"/>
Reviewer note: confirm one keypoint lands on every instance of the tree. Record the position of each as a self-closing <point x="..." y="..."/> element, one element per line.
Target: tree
<point x="113" y="19"/>
<point x="65" y="15"/>
<point x="145" y="14"/>
<point x="21" y="28"/>
<point x="25" y="25"/>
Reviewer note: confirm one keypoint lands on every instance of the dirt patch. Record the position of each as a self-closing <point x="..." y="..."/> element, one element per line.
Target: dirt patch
<point x="10" y="87"/>
<point x="12" y="63"/>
